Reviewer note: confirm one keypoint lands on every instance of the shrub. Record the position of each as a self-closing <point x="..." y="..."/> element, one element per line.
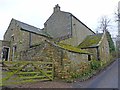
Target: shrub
<point x="95" y="64"/>
<point x="110" y="42"/>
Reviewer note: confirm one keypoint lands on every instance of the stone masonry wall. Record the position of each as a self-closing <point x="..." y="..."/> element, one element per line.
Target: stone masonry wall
<point x="36" y="39"/>
<point x="104" y="50"/>
<point x="0" y="49"/>
<point x="64" y="67"/>
<point x="41" y="52"/>
<point x="58" y="25"/>
<point x="79" y="33"/>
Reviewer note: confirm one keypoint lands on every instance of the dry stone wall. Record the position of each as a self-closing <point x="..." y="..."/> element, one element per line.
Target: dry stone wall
<point x="64" y="67"/>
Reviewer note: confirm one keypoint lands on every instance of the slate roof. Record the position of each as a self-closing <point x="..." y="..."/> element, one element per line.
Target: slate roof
<point x="30" y="28"/>
<point x="91" y="41"/>
<point x="72" y="48"/>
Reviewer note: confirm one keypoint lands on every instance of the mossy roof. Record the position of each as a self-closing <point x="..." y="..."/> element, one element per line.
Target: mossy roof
<point x="72" y="48"/>
<point x="91" y="41"/>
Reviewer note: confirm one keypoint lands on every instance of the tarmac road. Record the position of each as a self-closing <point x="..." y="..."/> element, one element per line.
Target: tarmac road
<point x="106" y="79"/>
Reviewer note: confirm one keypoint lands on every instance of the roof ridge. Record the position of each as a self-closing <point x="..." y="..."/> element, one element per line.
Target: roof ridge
<point x="24" y="23"/>
<point x="79" y="20"/>
<point x="95" y="34"/>
<point x="91" y="41"/>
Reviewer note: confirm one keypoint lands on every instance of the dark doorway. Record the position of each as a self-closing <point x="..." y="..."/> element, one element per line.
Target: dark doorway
<point x="5" y="52"/>
<point x="89" y="57"/>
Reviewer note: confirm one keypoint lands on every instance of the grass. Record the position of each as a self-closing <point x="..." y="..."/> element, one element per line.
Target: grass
<point x="72" y="48"/>
<point x="90" y="41"/>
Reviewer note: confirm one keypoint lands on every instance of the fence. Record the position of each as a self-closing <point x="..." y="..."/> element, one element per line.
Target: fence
<point x="26" y="71"/>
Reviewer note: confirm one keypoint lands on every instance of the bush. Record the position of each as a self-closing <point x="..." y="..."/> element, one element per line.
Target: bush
<point x="95" y="64"/>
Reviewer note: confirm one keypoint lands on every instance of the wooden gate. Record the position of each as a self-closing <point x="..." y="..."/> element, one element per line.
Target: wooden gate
<point x="18" y="72"/>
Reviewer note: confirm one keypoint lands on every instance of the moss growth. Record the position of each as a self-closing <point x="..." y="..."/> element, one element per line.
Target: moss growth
<point x="95" y="64"/>
<point x="90" y="41"/>
<point x="72" y="48"/>
<point x="110" y="41"/>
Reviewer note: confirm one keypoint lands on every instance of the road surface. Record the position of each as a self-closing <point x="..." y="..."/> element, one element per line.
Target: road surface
<point x="106" y="79"/>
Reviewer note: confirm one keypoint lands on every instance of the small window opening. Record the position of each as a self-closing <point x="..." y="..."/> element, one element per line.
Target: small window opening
<point x="89" y="57"/>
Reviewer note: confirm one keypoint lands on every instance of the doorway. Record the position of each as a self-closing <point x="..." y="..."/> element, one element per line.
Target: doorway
<point x="89" y="57"/>
<point x="5" y="52"/>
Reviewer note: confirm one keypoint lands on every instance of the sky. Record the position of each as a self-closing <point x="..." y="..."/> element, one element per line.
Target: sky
<point x="36" y="12"/>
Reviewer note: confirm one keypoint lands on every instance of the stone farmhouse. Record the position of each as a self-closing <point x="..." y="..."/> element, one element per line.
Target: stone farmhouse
<point x="63" y="37"/>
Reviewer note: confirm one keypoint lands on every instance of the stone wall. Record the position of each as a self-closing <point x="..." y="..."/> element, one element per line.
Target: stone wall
<point x="76" y="57"/>
<point x="58" y="25"/>
<point x="79" y="33"/>
<point x="93" y="52"/>
<point x="33" y="53"/>
<point x="36" y="39"/>
<point x="9" y="31"/>
<point x="42" y="52"/>
<point x="71" y="67"/>
<point x="104" y="49"/>
<point x="20" y="39"/>
<point x="63" y="63"/>
<point x="0" y="49"/>
<point x="6" y="43"/>
<point x="20" y="42"/>
<point x="24" y="42"/>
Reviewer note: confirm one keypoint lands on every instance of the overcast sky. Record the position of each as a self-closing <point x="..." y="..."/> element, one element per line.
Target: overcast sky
<point x="36" y="12"/>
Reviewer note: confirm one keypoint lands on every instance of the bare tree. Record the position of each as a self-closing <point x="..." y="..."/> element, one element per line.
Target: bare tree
<point x="104" y="23"/>
<point x="117" y="15"/>
<point x="105" y="26"/>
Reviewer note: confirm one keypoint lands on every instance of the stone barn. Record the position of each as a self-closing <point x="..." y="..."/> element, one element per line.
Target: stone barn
<point x="63" y="34"/>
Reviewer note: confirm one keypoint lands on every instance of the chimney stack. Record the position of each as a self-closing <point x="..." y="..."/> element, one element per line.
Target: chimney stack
<point x="56" y="8"/>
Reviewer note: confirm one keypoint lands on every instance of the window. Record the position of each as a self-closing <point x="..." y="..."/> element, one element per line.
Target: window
<point x="15" y="48"/>
<point x="12" y="37"/>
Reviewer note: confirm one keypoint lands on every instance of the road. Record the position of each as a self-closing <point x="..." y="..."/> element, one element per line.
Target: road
<point x="106" y="79"/>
